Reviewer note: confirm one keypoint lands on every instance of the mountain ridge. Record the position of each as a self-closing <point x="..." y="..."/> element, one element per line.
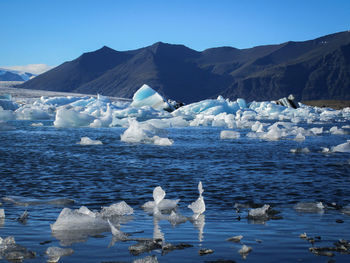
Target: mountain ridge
<point x="312" y="69"/>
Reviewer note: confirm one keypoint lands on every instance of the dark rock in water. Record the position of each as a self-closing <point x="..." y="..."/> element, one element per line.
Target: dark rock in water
<point x="205" y="251"/>
<point x="45" y="242"/>
<point x="170" y="247"/>
<point x="339" y="221"/>
<point x="23" y="218"/>
<point x="145" y="246"/>
<point x="320" y="252"/>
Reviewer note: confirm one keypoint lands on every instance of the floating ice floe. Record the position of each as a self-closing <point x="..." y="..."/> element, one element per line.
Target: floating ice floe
<point x="77" y="225"/>
<point x="229" y="134"/>
<point x="88" y="141"/>
<point x="159" y="202"/>
<point x="198" y="206"/>
<point x="259" y="213"/>
<point x="55" y="253"/>
<point x="145" y="133"/>
<point x="244" y="251"/>
<point x="300" y="150"/>
<point x="309" y="207"/>
<point x="12" y="251"/>
<point x="344" y="147"/>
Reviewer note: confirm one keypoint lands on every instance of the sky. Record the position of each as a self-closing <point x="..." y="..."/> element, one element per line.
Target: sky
<point x="54" y="31"/>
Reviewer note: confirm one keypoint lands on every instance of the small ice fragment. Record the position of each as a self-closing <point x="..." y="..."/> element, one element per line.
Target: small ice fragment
<point x="55" y="253"/>
<point x="148" y="259"/>
<point x="235" y="239"/>
<point x="37" y="124"/>
<point x="198" y="207"/>
<point x="229" y="134"/>
<point x="309" y="207"/>
<point x="117" y="209"/>
<point x="116" y="232"/>
<point x="12" y="251"/>
<point x="88" y="141"/>
<point x="325" y="150"/>
<point x="176" y="219"/>
<point x="258" y="213"/>
<point x="158" y="195"/>
<point x="299" y="137"/>
<point x="300" y="150"/>
<point x="74" y="220"/>
<point x="303" y="236"/>
<point x="2" y="213"/>
<point x="162" y="141"/>
<point x="244" y="251"/>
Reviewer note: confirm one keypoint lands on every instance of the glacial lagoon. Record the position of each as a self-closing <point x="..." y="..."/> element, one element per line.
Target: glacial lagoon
<point x="73" y="152"/>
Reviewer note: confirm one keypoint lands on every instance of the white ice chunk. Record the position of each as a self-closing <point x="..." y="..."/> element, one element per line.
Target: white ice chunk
<point x="299" y="137"/>
<point x="337" y="131"/>
<point x="144" y="133"/>
<point x="117" y="233"/>
<point x="258" y="213"/>
<point x="72" y="118"/>
<point x="344" y="147"/>
<point x="117" y="209"/>
<point x="88" y="141"/>
<point x="198" y="206"/>
<point x="159" y="201"/>
<point x="309" y="207"/>
<point x="229" y="134"/>
<point x="75" y="220"/>
<point x="2" y="213"/>
<point x="300" y="150"/>
<point x="55" y="253"/>
<point x="146" y="96"/>
<point x="317" y="131"/>
<point x="162" y="141"/>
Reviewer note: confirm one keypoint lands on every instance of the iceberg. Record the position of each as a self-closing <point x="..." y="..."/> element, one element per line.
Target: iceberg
<point x="146" y="96"/>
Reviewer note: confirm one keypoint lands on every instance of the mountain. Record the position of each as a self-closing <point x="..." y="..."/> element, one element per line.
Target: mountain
<point x="14" y="75"/>
<point x="311" y="70"/>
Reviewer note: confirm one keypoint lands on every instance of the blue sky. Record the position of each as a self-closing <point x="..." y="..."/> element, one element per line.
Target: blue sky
<point x="55" y="31"/>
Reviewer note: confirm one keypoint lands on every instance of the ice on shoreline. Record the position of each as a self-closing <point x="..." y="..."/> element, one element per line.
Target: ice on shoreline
<point x="148" y="115"/>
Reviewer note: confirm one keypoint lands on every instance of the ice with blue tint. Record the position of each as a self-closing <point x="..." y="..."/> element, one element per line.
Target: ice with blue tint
<point x="146" y="96"/>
